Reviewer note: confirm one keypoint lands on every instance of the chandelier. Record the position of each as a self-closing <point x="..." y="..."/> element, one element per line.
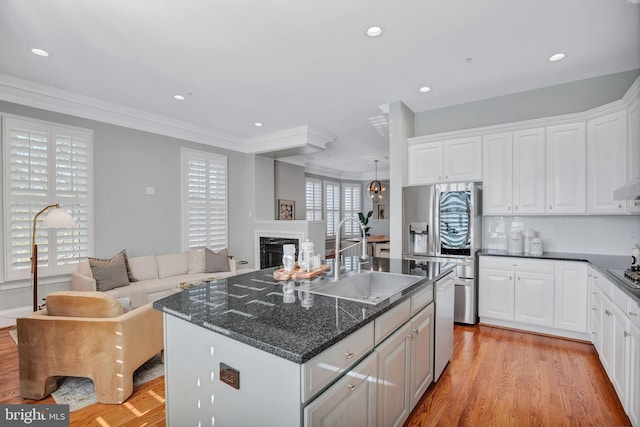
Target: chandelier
<point x="375" y="187"/>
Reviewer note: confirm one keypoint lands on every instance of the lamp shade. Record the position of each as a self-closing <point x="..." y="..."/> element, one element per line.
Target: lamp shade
<point x="58" y="218"/>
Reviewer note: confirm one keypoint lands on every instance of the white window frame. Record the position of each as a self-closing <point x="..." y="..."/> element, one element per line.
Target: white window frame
<point x="214" y="206"/>
<point x="313" y="199"/>
<point x="59" y="250"/>
<point x="352" y="204"/>
<point x="331" y="212"/>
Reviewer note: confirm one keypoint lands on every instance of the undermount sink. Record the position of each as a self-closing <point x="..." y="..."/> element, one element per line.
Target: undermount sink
<point x="370" y="287"/>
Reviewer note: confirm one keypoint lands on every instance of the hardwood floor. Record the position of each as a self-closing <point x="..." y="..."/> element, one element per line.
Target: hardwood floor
<point x="497" y="377"/>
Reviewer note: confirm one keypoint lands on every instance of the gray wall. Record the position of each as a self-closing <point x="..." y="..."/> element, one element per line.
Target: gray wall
<point x="289" y="185"/>
<point x="126" y="161"/>
<point x="264" y="187"/>
<point x="549" y="101"/>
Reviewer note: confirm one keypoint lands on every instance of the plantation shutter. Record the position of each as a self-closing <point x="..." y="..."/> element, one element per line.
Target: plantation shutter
<point x="46" y="164"/>
<point x="332" y="197"/>
<point x="205" y="199"/>
<point x="313" y="192"/>
<point x="351" y="196"/>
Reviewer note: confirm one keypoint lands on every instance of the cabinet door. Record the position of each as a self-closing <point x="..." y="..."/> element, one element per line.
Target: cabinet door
<point x="596" y="320"/>
<point x="463" y="159"/>
<point x="633" y="149"/>
<point x="619" y="338"/>
<point x="534" y="298"/>
<point x="607" y="335"/>
<point x="422" y="351"/>
<point x="571" y="296"/>
<point x="606" y="163"/>
<point x="529" y="171"/>
<point x="393" y="378"/>
<point x="425" y="163"/>
<point x="633" y="394"/>
<point x="349" y="402"/>
<point x="496" y="294"/>
<point x="497" y="171"/>
<point x="566" y="169"/>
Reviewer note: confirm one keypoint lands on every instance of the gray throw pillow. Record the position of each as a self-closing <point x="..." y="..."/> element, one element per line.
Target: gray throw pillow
<point x="126" y="262"/>
<point x="109" y="273"/>
<point x="216" y="261"/>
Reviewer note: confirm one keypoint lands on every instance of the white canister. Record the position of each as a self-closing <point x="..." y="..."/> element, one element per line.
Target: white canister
<point x="528" y="234"/>
<point x="535" y="246"/>
<point x="515" y="243"/>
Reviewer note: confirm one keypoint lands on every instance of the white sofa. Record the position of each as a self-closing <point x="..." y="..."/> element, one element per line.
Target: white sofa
<point x="157" y="276"/>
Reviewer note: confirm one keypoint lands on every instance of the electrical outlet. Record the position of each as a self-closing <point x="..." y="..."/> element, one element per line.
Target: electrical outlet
<point x="151" y="191"/>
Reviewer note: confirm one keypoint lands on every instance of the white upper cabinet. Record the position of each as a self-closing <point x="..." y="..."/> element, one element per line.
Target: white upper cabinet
<point x="425" y="163"/>
<point x="445" y="161"/>
<point x="566" y="169"/>
<point x="633" y="142"/>
<point x="514" y="172"/>
<point x="606" y="163"/>
<point x="463" y="159"/>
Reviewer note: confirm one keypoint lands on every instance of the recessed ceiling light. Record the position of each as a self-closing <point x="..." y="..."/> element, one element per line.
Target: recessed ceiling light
<point x="374" y="31"/>
<point x="557" y="57"/>
<point x="39" y="52"/>
<point x="258" y="124"/>
<point x="178" y="97"/>
<point x="425" y="89"/>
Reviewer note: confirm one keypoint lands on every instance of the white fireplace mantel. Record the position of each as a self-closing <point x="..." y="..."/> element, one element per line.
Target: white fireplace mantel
<point x="315" y="231"/>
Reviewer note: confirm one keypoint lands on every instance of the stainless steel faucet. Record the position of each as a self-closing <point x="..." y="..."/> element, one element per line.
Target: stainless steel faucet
<point x="365" y="254"/>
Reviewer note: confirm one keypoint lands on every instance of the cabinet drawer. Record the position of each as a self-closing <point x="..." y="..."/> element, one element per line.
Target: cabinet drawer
<point x="421" y="299"/>
<point x="331" y="363"/>
<point x="520" y="264"/>
<point x="392" y="320"/>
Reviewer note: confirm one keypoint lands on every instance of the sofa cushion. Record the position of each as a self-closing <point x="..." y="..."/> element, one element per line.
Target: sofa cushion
<point x="144" y="267"/>
<point x="197" y="262"/>
<point x="109" y="273"/>
<point x="83" y="304"/>
<point x="173" y="264"/>
<point x="216" y="261"/>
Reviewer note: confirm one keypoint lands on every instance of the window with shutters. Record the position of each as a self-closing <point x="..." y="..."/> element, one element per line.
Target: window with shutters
<point x="332" y="206"/>
<point x="46" y="163"/>
<point x="351" y="202"/>
<point x="313" y="197"/>
<point x="204" y="197"/>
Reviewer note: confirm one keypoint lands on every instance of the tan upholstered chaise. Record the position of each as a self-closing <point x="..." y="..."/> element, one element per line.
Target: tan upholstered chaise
<point x="86" y="334"/>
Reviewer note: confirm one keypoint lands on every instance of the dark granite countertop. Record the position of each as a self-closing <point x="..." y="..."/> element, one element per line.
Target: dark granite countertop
<point x="267" y="314"/>
<point x="602" y="263"/>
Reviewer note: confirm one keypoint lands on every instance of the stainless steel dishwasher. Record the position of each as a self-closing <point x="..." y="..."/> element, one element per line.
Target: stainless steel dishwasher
<point x="444" y="290"/>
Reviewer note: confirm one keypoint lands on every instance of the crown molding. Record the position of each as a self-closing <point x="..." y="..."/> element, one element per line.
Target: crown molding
<point x="302" y="139"/>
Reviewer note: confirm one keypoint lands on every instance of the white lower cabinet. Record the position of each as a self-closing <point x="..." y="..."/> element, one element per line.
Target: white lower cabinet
<point x="633" y="394"/>
<point x="571" y="296"/>
<point x="405" y="368"/>
<point x="350" y="402"/>
<point x="533" y="298"/>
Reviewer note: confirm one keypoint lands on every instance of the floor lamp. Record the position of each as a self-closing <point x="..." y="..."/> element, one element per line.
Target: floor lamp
<point x="57" y="218"/>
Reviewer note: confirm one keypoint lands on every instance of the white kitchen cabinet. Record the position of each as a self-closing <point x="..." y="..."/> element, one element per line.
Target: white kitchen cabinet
<point x="496" y="294"/>
<point x="595" y="312"/>
<point x="633" y="393"/>
<point x="606" y="163"/>
<point x="463" y="159"/>
<point x="421" y="350"/>
<point x="352" y="401"/>
<point x="514" y="172"/>
<point x="566" y="182"/>
<point x="571" y="296"/>
<point x="393" y="377"/>
<point x="533" y="298"/>
<point x="425" y="163"/>
<point x="445" y="161"/>
<point x="405" y="368"/>
<point x="615" y="325"/>
<point x="633" y="148"/>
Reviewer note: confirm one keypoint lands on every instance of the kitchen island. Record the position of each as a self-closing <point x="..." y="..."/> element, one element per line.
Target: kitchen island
<point x="250" y="350"/>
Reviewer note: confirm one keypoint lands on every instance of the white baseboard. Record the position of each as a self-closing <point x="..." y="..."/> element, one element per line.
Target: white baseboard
<point x="8" y="317"/>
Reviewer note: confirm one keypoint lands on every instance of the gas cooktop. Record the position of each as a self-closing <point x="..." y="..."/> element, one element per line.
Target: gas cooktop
<point x="630" y="276"/>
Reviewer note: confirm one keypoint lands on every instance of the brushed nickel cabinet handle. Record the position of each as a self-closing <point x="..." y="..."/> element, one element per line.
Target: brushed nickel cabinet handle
<point x="349" y="355"/>
<point x="352" y="387"/>
<point x="626" y="334"/>
<point x="415" y="331"/>
<point x="631" y="313"/>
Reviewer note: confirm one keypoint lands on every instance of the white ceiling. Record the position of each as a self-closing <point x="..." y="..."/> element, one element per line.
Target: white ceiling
<point x="299" y="63"/>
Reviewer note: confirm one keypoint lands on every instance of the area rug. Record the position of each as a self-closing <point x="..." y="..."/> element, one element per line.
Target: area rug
<point x="80" y="392"/>
<point x="14" y="335"/>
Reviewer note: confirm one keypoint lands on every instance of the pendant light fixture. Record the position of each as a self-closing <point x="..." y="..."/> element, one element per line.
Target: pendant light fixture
<point x="375" y="187"/>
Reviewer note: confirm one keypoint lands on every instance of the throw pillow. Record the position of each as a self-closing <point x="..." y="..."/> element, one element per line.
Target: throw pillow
<point x="126" y="262"/>
<point x="109" y="273"/>
<point x="125" y="302"/>
<point x="216" y="261"/>
<point x="197" y="262"/>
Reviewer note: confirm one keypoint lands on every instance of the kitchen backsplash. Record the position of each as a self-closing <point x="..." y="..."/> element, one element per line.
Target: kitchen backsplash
<point x="608" y="235"/>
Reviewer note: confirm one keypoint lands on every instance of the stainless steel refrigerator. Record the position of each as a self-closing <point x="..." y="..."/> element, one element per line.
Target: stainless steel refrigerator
<point x="445" y="221"/>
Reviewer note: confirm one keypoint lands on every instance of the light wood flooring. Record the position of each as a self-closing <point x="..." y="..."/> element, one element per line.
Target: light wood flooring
<point x="497" y="378"/>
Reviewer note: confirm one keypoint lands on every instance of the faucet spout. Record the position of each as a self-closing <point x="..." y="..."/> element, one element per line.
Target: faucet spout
<point x="365" y="255"/>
